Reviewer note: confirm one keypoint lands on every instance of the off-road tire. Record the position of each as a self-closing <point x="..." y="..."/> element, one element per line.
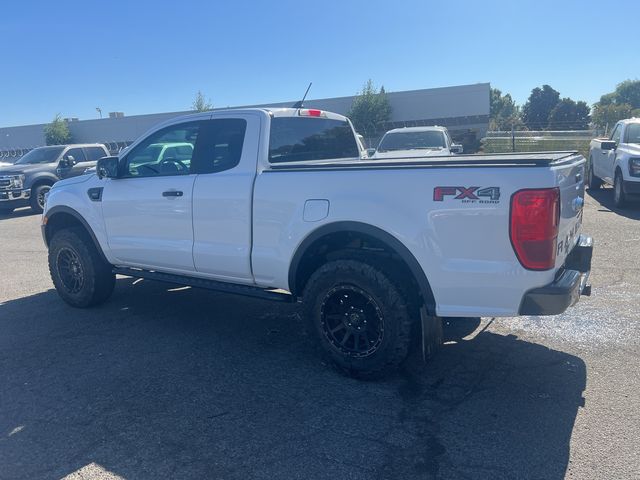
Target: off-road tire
<point x="36" y="193"/>
<point x="96" y="277"/>
<point x="391" y="309"/>
<point x="594" y="183"/>
<point x="619" y="197"/>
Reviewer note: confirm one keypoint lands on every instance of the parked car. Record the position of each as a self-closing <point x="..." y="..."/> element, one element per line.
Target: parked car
<point x="27" y="182"/>
<point x="411" y="142"/>
<point x="277" y="204"/>
<point x="616" y="161"/>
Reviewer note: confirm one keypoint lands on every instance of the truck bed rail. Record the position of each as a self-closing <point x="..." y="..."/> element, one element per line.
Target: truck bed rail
<point x="512" y="160"/>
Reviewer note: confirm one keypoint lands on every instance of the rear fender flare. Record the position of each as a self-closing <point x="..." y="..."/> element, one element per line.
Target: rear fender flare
<point x="358" y="227"/>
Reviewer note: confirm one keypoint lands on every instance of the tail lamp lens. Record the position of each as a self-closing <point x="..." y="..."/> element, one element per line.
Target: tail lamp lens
<point x="535" y="217"/>
<point x="310" y="112"/>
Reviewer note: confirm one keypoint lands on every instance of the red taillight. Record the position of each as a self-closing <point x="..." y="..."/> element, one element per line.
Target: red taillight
<point x="535" y="216"/>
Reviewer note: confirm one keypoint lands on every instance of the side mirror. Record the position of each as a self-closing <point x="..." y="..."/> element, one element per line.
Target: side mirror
<point x="107" y="167"/>
<point x="608" y="145"/>
<point x="67" y="161"/>
<point x="371" y="151"/>
<point x="456" y="148"/>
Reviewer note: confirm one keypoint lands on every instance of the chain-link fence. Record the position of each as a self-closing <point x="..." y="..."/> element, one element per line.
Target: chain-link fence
<point x="12" y="155"/>
<point x="539" y="141"/>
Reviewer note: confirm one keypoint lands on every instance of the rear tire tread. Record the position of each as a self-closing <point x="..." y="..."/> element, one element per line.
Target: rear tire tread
<point x="392" y="302"/>
<point x="619" y="201"/>
<point x="35" y="192"/>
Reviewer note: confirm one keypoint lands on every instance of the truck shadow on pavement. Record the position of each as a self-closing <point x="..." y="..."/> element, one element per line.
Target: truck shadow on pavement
<point x="164" y="382"/>
<point x="604" y="197"/>
<point x="20" y="212"/>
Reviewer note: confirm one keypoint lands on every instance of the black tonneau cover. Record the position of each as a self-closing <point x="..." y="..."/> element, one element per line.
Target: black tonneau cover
<point x="534" y="159"/>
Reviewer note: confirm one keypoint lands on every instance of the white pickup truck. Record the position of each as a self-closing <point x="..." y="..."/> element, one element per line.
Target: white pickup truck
<point x="278" y="204"/>
<point x="416" y="142"/>
<point x="616" y="161"/>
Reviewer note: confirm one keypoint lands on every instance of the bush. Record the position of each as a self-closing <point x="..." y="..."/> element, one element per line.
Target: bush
<point x="57" y="132"/>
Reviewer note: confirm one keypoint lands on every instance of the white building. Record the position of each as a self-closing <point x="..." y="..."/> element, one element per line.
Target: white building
<point x="464" y="110"/>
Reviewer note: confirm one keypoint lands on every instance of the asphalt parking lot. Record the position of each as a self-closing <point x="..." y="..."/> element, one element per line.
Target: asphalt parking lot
<point x="166" y="382"/>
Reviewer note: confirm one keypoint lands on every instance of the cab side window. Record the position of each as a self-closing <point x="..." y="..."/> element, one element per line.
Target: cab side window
<point x="94" y="153"/>
<point x="77" y="154"/>
<point x="168" y="151"/>
<point x="220" y="146"/>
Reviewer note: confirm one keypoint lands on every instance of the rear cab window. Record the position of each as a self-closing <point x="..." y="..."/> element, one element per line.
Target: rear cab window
<point x="296" y="139"/>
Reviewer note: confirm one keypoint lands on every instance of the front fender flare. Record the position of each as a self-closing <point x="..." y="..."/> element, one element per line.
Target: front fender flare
<point x="62" y="209"/>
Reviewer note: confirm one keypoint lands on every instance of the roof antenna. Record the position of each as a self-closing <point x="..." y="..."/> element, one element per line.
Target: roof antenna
<point x="301" y="102"/>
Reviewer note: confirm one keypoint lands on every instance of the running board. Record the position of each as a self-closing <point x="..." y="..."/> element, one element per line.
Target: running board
<point x="222" y="287"/>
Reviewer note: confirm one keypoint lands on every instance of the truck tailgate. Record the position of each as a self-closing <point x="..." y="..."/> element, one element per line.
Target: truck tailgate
<point x="570" y="181"/>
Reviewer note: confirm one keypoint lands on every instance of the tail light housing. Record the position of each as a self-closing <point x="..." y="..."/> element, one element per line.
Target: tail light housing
<point x="533" y="229"/>
<point x="311" y="112"/>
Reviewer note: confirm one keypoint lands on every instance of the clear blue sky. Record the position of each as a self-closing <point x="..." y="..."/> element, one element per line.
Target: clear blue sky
<point x="153" y="56"/>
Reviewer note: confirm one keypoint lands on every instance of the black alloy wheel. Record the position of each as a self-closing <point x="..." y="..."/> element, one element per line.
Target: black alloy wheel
<point x="82" y="277"/>
<point x="70" y="270"/>
<point x="42" y="195"/>
<point x="361" y="316"/>
<point x="352" y="321"/>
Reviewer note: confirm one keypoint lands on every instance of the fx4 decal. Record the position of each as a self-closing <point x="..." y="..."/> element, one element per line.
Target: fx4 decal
<point x="468" y="194"/>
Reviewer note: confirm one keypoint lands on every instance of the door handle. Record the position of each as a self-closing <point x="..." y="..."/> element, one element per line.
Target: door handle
<point x="172" y="193"/>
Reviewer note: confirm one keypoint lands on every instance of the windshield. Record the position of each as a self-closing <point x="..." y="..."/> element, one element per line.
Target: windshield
<point x="412" y="141"/>
<point x="41" y="155"/>
<point x="633" y="133"/>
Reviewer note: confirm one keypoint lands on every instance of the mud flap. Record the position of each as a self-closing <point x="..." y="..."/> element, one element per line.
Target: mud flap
<point x="427" y="339"/>
<point x="431" y="335"/>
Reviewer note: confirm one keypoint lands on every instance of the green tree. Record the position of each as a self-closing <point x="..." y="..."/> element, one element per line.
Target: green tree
<point x="57" y="132"/>
<point x="504" y="111"/>
<point x="607" y="99"/>
<point x="623" y="102"/>
<point x="609" y="114"/>
<point x="370" y="109"/>
<point x="628" y="92"/>
<point x="535" y="112"/>
<point x="569" y="115"/>
<point x="201" y="104"/>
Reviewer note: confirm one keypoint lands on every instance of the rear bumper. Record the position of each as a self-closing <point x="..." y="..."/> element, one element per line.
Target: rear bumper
<point x="631" y="188"/>
<point x="566" y="289"/>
